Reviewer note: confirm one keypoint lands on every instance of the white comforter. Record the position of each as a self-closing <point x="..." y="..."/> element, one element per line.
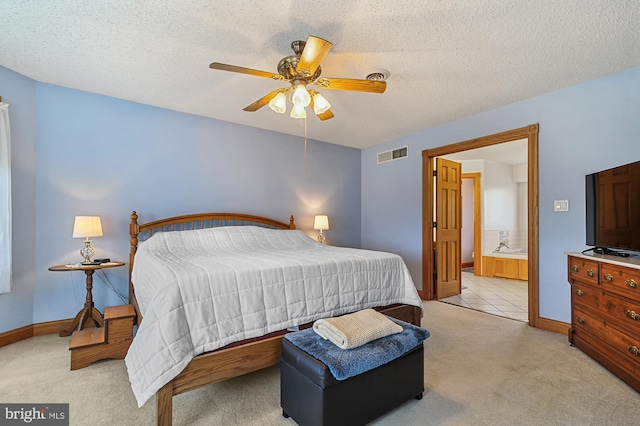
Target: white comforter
<point x="200" y="290"/>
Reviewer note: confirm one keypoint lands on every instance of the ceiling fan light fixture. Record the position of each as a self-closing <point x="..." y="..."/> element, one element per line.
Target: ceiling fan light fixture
<point x="302" y="69"/>
<point x="320" y="104"/>
<point x="300" y="96"/>
<point x="279" y="103"/>
<point x="298" y="111"/>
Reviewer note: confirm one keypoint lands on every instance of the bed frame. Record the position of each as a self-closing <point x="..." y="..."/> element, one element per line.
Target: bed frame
<point x="231" y="361"/>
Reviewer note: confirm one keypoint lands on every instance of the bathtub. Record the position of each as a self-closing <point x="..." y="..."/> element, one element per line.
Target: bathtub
<point x="506" y="263"/>
<point x="508" y="253"/>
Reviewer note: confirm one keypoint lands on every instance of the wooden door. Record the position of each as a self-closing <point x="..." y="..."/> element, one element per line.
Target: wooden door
<point x="448" y="228"/>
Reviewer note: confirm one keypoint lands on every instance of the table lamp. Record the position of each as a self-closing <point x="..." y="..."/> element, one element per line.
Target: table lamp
<point x="321" y="223"/>
<point x="87" y="227"/>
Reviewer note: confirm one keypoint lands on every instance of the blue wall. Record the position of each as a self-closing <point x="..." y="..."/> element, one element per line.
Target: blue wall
<point x="583" y="129"/>
<point x="77" y="153"/>
<point x="97" y="155"/>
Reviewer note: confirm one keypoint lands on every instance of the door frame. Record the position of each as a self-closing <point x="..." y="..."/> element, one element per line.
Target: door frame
<point x="531" y="134"/>
<point x="477" y="238"/>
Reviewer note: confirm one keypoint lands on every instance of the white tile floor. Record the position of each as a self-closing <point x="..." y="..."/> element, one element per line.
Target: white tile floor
<point x="498" y="296"/>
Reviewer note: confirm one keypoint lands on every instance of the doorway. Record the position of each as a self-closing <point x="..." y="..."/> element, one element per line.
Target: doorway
<point x="430" y="256"/>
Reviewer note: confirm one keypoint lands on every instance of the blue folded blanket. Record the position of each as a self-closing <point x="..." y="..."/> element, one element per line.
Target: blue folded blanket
<point x="345" y="363"/>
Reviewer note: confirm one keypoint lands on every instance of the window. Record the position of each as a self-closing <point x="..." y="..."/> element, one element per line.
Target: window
<point x="5" y="199"/>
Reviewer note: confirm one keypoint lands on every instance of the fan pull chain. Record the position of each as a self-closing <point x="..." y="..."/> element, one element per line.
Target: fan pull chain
<point x="305" y="144"/>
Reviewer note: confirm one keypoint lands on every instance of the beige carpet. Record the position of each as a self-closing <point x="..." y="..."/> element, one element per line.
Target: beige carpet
<point x="479" y="370"/>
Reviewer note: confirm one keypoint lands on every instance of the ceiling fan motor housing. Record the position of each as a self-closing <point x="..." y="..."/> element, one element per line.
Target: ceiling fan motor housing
<point x="287" y="68"/>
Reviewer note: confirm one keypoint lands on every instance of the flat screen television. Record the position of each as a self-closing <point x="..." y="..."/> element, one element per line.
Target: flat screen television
<point x="613" y="210"/>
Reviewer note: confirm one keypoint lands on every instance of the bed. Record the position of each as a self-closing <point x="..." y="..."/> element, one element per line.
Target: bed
<point x="156" y="246"/>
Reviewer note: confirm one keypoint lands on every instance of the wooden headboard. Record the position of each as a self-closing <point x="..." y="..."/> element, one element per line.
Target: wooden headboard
<point x="141" y="232"/>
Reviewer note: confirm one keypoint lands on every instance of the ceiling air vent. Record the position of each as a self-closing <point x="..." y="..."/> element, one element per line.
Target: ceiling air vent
<point x="394" y="154"/>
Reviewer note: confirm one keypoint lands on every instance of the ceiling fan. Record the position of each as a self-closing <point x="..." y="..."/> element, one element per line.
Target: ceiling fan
<point x="299" y="70"/>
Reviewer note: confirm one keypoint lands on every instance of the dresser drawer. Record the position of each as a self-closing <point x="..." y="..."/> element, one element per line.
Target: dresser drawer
<point x="613" y="308"/>
<point x="618" y="363"/>
<point x="587" y="295"/>
<point x="624" y="312"/>
<point x="618" y="279"/>
<point x="628" y="348"/>
<point x="583" y="270"/>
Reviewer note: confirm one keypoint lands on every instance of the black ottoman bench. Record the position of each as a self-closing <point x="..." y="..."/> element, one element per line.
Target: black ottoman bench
<point x="311" y="395"/>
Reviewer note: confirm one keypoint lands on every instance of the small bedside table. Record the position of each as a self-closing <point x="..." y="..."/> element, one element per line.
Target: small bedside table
<point x="89" y="312"/>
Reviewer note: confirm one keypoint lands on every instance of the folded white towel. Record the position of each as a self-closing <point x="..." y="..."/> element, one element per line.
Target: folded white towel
<point x="353" y="330"/>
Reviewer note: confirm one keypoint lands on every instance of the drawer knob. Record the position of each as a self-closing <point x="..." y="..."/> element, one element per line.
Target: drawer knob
<point x="632" y="315"/>
<point x="575" y="268"/>
<point x="631" y="283"/>
<point x="590" y="273"/>
<point x="608" y="277"/>
<point x="579" y="292"/>
<point x="581" y="320"/>
<point x="634" y="350"/>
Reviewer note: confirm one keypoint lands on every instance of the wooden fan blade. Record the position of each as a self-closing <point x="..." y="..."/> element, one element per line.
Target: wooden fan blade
<point x="372" y="86"/>
<point x="262" y="101"/>
<point x="242" y="70"/>
<point x="326" y="115"/>
<point x="314" y="52"/>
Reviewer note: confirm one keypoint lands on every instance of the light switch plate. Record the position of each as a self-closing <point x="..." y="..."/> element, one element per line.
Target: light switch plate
<point x="561" y="206"/>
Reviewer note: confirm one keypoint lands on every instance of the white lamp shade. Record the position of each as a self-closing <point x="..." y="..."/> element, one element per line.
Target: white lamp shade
<point x="298" y="112"/>
<point x="279" y="103"/>
<point x="300" y="96"/>
<point x="321" y="222"/>
<point x="87" y="226"/>
<point x="320" y="104"/>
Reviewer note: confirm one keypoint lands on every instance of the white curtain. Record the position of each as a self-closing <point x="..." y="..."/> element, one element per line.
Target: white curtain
<point x="5" y="199"/>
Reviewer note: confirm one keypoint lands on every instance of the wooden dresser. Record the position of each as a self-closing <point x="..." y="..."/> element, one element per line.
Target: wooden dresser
<point x="605" y="312"/>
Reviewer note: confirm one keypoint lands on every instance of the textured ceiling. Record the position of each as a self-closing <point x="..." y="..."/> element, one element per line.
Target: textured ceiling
<point x="447" y="59"/>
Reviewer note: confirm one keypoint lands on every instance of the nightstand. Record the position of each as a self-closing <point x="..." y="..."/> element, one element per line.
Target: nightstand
<point x="88" y="313"/>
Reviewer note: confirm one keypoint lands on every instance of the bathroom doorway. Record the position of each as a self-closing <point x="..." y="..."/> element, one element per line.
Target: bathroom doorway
<point x="430" y="256"/>
<point x="498" y="295"/>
